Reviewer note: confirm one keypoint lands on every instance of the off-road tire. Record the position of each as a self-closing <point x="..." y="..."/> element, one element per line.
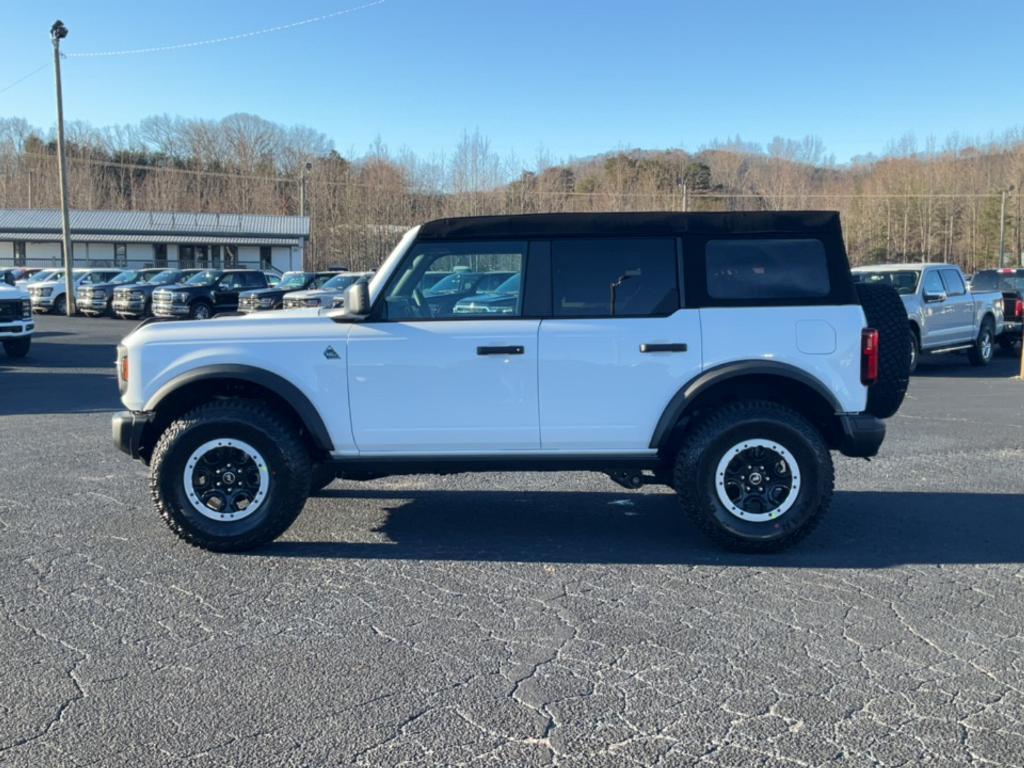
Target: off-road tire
<point x="886" y="313"/>
<point x="200" y="310"/>
<point x="983" y="349"/>
<point x="708" y="441"/>
<point x="17" y="347"/>
<point x="256" y="423"/>
<point x="915" y="350"/>
<point x="320" y="476"/>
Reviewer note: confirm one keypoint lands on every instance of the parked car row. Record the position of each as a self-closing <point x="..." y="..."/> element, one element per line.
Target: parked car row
<point x="943" y="315"/>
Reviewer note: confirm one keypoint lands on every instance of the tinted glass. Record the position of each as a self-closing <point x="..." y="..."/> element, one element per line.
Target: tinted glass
<point x="254" y="280"/>
<point x="766" y="269"/>
<point x="639" y="274"/>
<point x="990" y="280"/>
<point x="207" y="277"/>
<point x="933" y="283"/>
<point x="128" y="276"/>
<point x="904" y="281"/>
<point x="339" y="282"/>
<point x="166" y="277"/>
<point x="469" y="273"/>
<point x="954" y="283"/>
<point x="292" y="281"/>
<point x="231" y="282"/>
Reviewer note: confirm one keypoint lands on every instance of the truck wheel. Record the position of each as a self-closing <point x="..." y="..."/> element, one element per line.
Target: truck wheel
<point x="60" y="305"/>
<point x="886" y="313"/>
<point x="200" y="310"/>
<point x="754" y="476"/>
<point x="320" y="477"/>
<point x="983" y="348"/>
<point x="229" y="475"/>
<point x="18" y="347"/>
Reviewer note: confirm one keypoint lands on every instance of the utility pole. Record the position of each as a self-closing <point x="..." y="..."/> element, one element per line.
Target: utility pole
<point x="57" y="33"/>
<point x="1002" y="227"/>
<point x="302" y="188"/>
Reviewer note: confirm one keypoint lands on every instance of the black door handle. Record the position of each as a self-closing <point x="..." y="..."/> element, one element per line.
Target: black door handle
<point x="662" y="347"/>
<point x="514" y="350"/>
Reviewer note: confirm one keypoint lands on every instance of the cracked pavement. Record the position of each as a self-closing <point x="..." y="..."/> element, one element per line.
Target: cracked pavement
<point x="497" y="620"/>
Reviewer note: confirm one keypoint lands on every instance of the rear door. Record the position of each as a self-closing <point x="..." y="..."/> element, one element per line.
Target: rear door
<point x="960" y="306"/>
<point x="618" y="345"/>
<point x="425" y="379"/>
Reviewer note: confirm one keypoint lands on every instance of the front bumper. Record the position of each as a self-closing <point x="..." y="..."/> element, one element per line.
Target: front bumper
<point x="90" y="305"/>
<point x="862" y="435"/>
<point x="128" y="306"/>
<point x="42" y="303"/>
<point x="164" y="309"/>
<point x="16" y="329"/>
<point x="128" y="428"/>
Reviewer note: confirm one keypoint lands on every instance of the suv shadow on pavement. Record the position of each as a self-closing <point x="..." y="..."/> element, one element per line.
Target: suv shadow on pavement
<point x="864" y="530"/>
<point x="953" y="366"/>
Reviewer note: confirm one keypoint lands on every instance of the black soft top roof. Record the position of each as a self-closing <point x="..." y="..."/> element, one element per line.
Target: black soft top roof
<point x="646" y="223"/>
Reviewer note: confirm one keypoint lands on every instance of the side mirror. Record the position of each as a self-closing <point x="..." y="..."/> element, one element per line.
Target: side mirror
<point x="932" y="298"/>
<point x="357" y="299"/>
<point x="9" y="278"/>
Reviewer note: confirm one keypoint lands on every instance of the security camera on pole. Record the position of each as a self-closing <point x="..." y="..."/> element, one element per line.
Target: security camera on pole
<point x="57" y="33"/>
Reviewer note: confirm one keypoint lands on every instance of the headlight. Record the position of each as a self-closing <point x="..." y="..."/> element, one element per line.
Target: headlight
<point x="180" y="297"/>
<point x="26" y="308"/>
<point x="338" y="301"/>
<point x="44" y="291"/>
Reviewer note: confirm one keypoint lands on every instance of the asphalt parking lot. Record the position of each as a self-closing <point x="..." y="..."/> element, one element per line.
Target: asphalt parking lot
<point x="509" y="620"/>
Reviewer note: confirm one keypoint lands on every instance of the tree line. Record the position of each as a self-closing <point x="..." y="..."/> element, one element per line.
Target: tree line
<point x="909" y="203"/>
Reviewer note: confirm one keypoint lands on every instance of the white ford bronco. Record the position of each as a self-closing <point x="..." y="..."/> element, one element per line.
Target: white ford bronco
<point x="722" y="354"/>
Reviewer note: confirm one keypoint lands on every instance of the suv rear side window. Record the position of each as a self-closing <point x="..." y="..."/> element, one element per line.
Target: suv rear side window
<point x="756" y="269"/>
<point x="639" y="274"/>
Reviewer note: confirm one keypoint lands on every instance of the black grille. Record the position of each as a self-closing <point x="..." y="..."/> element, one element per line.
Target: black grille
<point x="10" y="310"/>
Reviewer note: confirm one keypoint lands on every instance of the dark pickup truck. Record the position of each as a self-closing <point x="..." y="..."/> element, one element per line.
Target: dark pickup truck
<point x="1011" y="283"/>
<point x="273" y="298"/>
<point x="206" y="293"/>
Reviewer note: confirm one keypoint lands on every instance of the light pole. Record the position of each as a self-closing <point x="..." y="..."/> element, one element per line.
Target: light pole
<point x="302" y="188"/>
<point x="1002" y="225"/>
<point x="57" y="33"/>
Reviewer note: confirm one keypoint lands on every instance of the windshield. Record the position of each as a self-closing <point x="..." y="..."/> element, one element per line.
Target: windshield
<point x="292" y="281"/>
<point x="167" y="277"/>
<point x="903" y="280"/>
<point x="39" y="277"/>
<point x="340" y="282"/>
<point x="509" y="286"/>
<point x="207" y="277"/>
<point x="990" y="280"/>
<point x="128" y="276"/>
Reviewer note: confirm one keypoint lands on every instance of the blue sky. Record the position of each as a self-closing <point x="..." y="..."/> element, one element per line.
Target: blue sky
<point x="574" y="77"/>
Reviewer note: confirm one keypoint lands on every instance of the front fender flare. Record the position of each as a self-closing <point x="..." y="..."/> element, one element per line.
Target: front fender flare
<point x="281" y="387"/>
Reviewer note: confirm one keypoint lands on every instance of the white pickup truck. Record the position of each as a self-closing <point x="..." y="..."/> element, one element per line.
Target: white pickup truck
<point x="16" y="323"/>
<point x="944" y="315"/>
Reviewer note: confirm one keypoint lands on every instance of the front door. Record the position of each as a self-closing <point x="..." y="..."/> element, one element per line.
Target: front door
<point x="225" y="293"/>
<point x="447" y="369"/>
<point x="961" y="307"/>
<point x="618" y="346"/>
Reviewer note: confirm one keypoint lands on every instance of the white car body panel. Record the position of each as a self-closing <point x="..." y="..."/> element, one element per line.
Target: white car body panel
<point x="599" y="391"/>
<point x="21" y="326"/>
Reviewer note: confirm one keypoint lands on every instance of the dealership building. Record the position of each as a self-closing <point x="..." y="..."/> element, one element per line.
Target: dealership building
<point x="31" y="237"/>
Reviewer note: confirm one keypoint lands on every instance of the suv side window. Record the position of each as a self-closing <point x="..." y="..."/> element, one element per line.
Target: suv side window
<point x="639" y="273"/>
<point x="446" y="280"/>
<point x="953" y="282"/>
<point x="254" y="280"/>
<point x="757" y="269"/>
<point x="933" y="283"/>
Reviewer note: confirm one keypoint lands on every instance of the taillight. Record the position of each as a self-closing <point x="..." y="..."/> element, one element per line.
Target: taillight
<point x="1018" y="308"/>
<point x="868" y="356"/>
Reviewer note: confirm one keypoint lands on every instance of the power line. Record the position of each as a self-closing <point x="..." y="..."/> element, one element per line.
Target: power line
<point x="24" y="77"/>
<point x="226" y="38"/>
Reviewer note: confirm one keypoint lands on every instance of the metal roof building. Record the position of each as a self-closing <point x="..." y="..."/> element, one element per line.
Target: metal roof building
<point x="32" y="237"/>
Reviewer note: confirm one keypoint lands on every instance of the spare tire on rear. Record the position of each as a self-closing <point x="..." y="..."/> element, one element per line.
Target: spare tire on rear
<point x="885" y="312"/>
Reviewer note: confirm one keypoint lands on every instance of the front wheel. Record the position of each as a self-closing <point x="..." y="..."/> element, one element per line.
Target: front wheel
<point x="915" y="350"/>
<point x="981" y="351"/>
<point x="755" y="476"/>
<point x="200" y="311"/>
<point x="18" y="347"/>
<point x="60" y="305"/>
<point x="230" y="475"/>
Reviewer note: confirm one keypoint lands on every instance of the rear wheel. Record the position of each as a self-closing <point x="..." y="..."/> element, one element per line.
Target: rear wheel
<point x="983" y="348"/>
<point x="18" y="347"/>
<point x="230" y="475"/>
<point x="754" y="476"/>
